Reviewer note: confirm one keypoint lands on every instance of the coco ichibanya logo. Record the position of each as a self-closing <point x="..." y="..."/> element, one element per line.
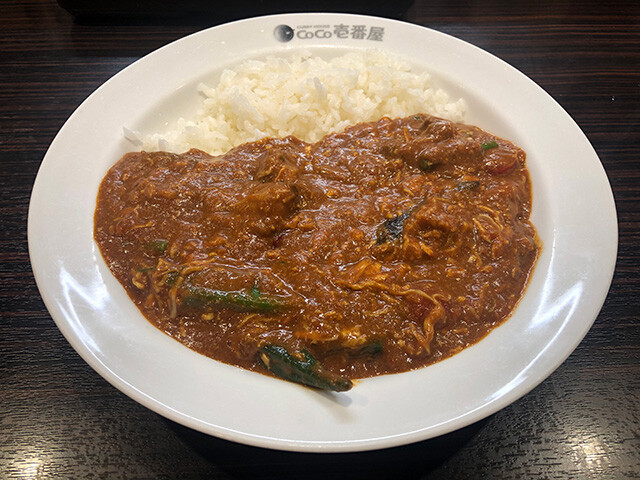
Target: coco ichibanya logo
<point x="285" y="33"/>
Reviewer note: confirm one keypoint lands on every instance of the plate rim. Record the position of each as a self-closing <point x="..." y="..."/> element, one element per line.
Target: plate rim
<point x="278" y="443"/>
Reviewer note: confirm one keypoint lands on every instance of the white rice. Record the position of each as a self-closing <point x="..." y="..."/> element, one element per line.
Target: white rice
<point x="304" y="96"/>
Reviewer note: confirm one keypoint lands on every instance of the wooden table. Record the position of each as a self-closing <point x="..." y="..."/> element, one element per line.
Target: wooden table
<point x="60" y="419"/>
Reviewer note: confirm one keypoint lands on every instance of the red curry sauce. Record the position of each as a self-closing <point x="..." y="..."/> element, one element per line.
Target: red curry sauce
<point x="408" y="235"/>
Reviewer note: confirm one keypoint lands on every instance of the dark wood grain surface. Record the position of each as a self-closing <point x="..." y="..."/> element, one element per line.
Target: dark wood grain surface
<point x="60" y="419"/>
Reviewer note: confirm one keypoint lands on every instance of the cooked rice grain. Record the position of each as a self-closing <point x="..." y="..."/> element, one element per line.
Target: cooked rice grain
<point x="304" y="96"/>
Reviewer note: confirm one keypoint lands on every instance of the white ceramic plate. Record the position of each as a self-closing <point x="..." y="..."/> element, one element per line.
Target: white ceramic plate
<point x="573" y="210"/>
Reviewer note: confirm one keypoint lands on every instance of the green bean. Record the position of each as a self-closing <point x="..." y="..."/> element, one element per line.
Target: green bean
<point x="304" y="369"/>
<point x="254" y="301"/>
<point x="391" y="229"/>
<point x="488" y="145"/>
<point x="158" y="245"/>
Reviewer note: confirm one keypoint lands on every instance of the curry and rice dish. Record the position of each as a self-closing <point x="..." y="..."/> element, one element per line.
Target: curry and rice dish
<point x="384" y="248"/>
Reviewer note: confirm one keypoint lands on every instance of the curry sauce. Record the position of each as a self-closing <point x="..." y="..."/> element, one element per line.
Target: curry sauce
<point x="384" y="248"/>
